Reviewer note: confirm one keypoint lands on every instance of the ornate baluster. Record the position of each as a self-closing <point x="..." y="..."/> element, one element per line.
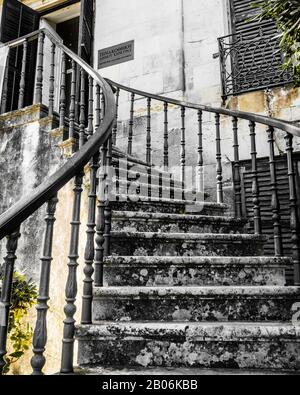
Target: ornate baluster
<point x="87" y="298"/>
<point x="275" y="197"/>
<point x="62" y="103"/>
<point x="182" y="161"/>
<point x="148" y="132"/>
<point x="107" y="211"/>
<point x="100" y="221"/>
<point x="166" y="137"/>
<point x="130" y="131"/>
<point x="98" y="107"/>
<point x="200" y="181"/>
<point x="39" y="69"/>
<point x="23" y="74"/>
<point x="71" y="286"/>
<point x="220" y="196"/>
<point x="90" y="128"/>
<point x="52" y="80"/>
<point x="5" y="302"/>
<point x="5" y="87"/>
<point x="102" y="106"/>
<point x="115" y="129"/>
<point x="255" y="186"/>
<point x="40" y="333"/>
<point x="295" y="228"/>
<point x="236" y="170"/>
<point x="82" y="109"/>
<point x="72" y="102"/>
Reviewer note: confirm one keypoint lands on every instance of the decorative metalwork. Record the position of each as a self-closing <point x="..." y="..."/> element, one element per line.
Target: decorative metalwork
<point x="251" y="61"/>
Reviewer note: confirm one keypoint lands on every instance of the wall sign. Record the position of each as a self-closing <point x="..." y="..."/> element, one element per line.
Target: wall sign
<point x="117" y="54"/>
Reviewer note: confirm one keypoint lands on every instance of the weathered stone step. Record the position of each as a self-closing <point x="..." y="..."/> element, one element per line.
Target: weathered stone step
<point x="192" y="304"/>
<point x="194" y="271"/>
<point x="186" y="244"/>
<point x="198" y="345"/>
<point x="140" y="167"/>
<point x="170" y="206"/>
<point x="163" y="222"/>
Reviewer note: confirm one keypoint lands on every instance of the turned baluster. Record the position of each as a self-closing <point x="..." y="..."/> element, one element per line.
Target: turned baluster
<point x="90" y="127"/>
<point x="39" y="69"/>
<point x="275" y="204"/>
<point x="23" y="76"/>
<point x="200" y="168"/>
<point x="131" y="123"/>
<point x="82" y="109"/>
<point x="182" y="155"/>
<point x="220" y="195"/>
<point x="108" y="211"/>
<point x="236" y="170"/>
<point x="71" y="286"/>
<point x="100" y="220"/>
<point x="52" y="80"/>
<point x="166" y="137"/>
<point x="115" y="128"/>
<point x="102" y="106"/>
<point x="62" y="103"/>
<point x="72" y="102"/>
<point x="4" y="97"/>
<point x="5" y="301"/>
<point x="148" y="132"/>
<point x="295" y="228"/>
<point x="98" y="107"/>
<point x="40" y="333"/>
<point x="87" y="298"/>
<point x="255" y="185"/>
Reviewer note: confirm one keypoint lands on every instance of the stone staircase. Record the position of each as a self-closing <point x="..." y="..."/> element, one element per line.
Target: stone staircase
<point x="186" y="288"/>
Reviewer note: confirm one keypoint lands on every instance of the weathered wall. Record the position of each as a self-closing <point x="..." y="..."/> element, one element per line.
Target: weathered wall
<point x="29" y="153"/>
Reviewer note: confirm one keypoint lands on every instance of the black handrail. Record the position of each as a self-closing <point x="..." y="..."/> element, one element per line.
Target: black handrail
<point x="271" y="122"/>
<point x="13" y="217"/>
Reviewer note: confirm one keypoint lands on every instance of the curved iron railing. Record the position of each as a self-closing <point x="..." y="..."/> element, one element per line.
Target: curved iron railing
<point x="92" y="126"/>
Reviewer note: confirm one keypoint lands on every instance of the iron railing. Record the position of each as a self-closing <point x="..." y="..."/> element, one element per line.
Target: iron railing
<point x="251" y="60"/>
<point x="94" y="139"/>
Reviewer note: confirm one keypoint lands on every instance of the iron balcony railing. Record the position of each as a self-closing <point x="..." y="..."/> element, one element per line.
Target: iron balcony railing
<point x="251" y="61"/>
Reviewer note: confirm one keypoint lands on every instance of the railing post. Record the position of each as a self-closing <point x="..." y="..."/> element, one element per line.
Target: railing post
<point x="108" y="211"/>
<point x="200" y="168"/>
<point x="220" y="195"/>
<point x="182" y="151"/>
<point x="72" y="102"/>
<point x="148" y="132"/>
<point x="100" y="221"/>
<point x="166" y="137"/>
<point x="4" y="96"/>
<point x="23" y="75"/>
<point x="62" y="103"/>
<point x="275" y="204"/>
<point x="115" y="128"/>
<point x="52" y="80"/>
<point x="255" y="186"/>
<point x="98" y="107"/>
<point x="82" y="109"/>
<point x="131" y="120"/>
<point x="5" y="301"/>
<point x="87" y="298"/>
<point x="71" y="286"/>
<point x="39" y="70"/>
<point x="40" y="333"/>
<point x="295" y="228"/>
<point x="236" y="170"/>
<point x="90" y="127"/>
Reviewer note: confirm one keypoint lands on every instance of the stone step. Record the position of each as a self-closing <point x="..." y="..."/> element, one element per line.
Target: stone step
<point x="156" y="179"/>
<point x="138" y="271"/>
<point x="184" y="345"/>
<point x="195" y="304"/>
<point x="185" y="244"/>
<point x="170" y="206"/>
<point x="140" y="167"/>
<point x="176" y="223"/>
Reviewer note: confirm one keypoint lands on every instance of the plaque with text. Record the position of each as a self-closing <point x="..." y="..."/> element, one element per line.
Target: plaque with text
<point x="115" y="55"/>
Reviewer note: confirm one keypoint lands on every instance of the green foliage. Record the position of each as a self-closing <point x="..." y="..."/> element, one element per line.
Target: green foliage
<point x="286" y="14"/>
<point x="20" y="333"/>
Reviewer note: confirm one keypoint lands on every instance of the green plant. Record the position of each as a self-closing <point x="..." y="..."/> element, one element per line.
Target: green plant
<point x="19" y="332"/>
<point x="286" y="14"/>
